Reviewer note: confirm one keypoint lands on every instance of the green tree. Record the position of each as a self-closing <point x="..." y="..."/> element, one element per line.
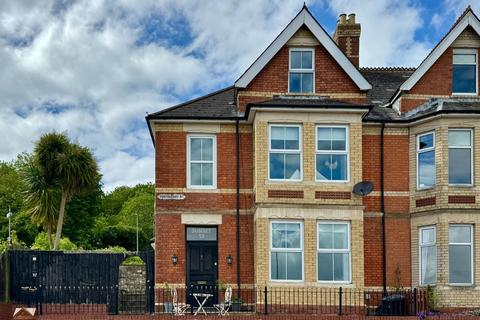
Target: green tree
<point x="142" y="204"/>
<point x="11" y="187"/>
<point x="81" y="214"/>
<point x="66" y="167"/>
<point x="41" y="199"/>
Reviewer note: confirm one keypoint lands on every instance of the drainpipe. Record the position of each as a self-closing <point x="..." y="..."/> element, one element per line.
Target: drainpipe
<point x="237" y="133"/>
<point x="382" y="208"/>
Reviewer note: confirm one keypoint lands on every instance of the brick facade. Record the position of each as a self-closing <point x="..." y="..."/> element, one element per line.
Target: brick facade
<point x="261" y="200"/>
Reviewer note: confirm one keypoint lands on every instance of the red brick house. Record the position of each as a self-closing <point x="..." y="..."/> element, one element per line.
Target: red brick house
<point x="254" y="182"/>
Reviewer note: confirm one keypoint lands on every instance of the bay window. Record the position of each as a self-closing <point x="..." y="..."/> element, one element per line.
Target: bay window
<point x="332" y="153"/>
<point x="285" y="153"/>
<point x="460" y="156"/>
<point x="460" y="254"/>
<point x="301" y="73"/>
<point x="426" y="160"/>
<point x="464" y="71"/>
<point x="428" y="255"/>
<point x="286" y="251"/>
<point x="201" y="162"/>
<point x="333" y="252"/>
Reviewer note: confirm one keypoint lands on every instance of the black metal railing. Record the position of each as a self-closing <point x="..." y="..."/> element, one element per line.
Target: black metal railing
<point x="265" y="300"/>
<point x="305" y="300"/>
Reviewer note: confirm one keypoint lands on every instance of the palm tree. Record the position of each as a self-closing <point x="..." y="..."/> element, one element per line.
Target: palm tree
<point x="67" y="168"/>
<point x="77" y="174"/>
<point x="40" y="201"/>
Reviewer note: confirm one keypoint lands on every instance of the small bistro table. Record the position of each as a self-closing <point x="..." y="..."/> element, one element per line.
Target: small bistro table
<point x="204" y="297"/>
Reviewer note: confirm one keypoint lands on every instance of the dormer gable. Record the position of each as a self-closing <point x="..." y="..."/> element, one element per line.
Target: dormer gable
<point x="464" y="35"/>
<point x="299" y="32"/>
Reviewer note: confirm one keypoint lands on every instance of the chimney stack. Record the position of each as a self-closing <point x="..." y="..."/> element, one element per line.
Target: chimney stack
<point x="347" y="37"/>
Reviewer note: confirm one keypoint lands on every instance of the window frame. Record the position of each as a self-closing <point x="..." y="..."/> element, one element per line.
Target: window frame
<point x="349" y="250"/>
<point x="290" y="70"/>
<point x="472" y="258"/>
<point x="423" y="245"/>
<point x="472" y="167"/>
<point x="286" y="151"/>
<point x="347" y="151"/>
<point x="418" y="152"/>
<point x="286" y="250"/>
<point x="466" y="51"/>
<point x="214" y="161"/>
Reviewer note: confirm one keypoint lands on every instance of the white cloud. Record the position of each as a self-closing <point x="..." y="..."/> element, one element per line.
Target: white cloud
<point x="76" y="67"/>
<point x="80" y="67"/>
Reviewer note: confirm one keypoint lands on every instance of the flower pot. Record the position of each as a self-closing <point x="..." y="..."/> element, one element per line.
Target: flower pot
<point x="168" y="307"/>
<point x="236" y="306"/>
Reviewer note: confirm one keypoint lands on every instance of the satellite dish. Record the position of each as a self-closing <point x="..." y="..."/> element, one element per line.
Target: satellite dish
<point x="363" y="188"/>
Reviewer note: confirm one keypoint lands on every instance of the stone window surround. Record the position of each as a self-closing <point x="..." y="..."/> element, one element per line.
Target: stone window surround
<point x="472" y="253"/>
<point x="472" y="158"/>
<point x="348" y="250"/>
<point x="467" y="51"/>
<point x="301" y="249"/>
<point x="420" y="151"/>
<point x="299" y="151"/>
<point x="214" y="160"/>
<point x="312" y="71"/>
<point x="346" y="152"/>
<point x="423" y="245"/>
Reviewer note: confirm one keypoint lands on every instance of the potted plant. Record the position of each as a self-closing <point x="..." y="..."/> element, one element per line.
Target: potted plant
<point x="167" y="301"/>
<point x="236" y="305"/>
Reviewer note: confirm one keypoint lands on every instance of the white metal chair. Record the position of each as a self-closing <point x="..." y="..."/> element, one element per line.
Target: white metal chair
<point x="179" y="308"/>
<point x="224" y="306"/>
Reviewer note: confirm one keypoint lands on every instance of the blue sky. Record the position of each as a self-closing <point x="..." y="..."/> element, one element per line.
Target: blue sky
<point x="94" y="68"/>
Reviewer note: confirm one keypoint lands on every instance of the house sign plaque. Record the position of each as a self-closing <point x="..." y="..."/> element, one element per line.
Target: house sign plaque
<point x="171" y="196"/>
<point x="201" y="234"/>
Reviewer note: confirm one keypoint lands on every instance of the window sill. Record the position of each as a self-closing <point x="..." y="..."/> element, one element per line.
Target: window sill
<point x="332" y="181"/>
<point x="276" y="181"/>
<point x="425" y="189"/>
<point x="335" y="283"/>
<point x="461" y="285"/>
<point x="192" y="188"/>
<point x="285" y="282"/>
<point x="464" y="94"/>
<point x="461" y="185"/>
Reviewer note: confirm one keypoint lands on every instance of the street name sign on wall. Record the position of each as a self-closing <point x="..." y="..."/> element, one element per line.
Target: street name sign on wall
<point x="171" y="196"/>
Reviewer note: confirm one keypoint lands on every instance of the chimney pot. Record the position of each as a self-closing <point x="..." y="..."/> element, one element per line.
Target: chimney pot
<point x="347" y="37"/>
<point x="351" y="18"/>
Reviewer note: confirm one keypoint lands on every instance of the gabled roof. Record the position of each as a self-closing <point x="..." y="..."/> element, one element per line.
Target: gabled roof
<point x="304" y="17"/>
<point x="468" y="18"/>
<point x="216" y="105"/>
<point x="385" y="82"/>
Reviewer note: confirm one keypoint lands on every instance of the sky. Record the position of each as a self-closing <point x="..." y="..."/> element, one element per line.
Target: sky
<point x="93" y="69"/>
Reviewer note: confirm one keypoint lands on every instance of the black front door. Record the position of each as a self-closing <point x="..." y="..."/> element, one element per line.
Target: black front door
<point x="202" y="270"/>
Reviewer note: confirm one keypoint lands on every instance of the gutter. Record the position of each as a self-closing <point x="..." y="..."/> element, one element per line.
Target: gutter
<point x="237" y="136"/>
<point x="382" y="208"/>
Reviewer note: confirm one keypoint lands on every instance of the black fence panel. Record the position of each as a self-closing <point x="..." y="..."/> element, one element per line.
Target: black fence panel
<point x="74" y="278"/>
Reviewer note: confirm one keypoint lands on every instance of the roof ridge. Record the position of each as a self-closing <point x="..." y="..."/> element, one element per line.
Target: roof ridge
<point x="388" y="68"/>
<point x="191" y="101"/>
